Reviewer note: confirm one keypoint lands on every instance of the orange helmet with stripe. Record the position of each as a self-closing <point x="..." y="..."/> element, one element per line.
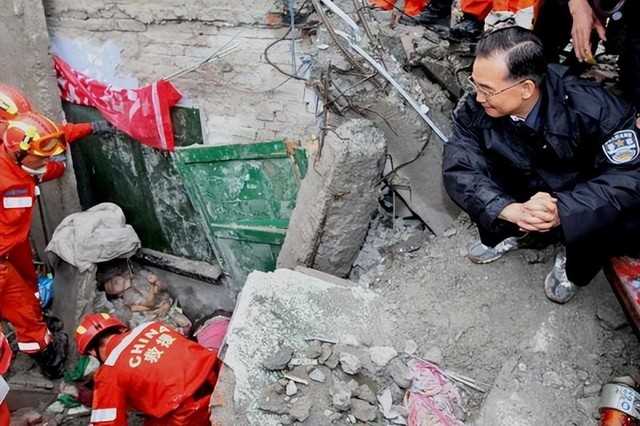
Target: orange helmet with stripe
<point x="33" y="133"/>
<point x="12" y="102"/>
<point x="92" y="326"/>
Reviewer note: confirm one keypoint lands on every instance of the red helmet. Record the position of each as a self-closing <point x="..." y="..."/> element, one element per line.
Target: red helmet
<point x="91" y="326"/>
<point x="33" y="133"/>
<point x="12" y="102"/>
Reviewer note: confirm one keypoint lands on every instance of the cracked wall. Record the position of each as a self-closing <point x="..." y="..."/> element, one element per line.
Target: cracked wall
<point x="242" y="98"/>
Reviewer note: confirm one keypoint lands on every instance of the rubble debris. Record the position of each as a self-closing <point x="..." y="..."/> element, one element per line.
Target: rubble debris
<point x="315" y="350"/>
<point x="552" y="379"/>
<point x="291" y="388"/>
<point x="341" y="396"/>
<point x="381" y="355"/>
<point x="611" y="316"/>
<point x="411" y="347"/>
<point x="365" y="393"/>
<point x="362" y="410"/>
<point x="317" y="375"/>
<point x="258" y="330"/>
<point x="300" y="409"/>
<point x="279" y="360"/>
<point x="336" y="200"/>
<point x="201" y="271"/>
<point x="400" y="373"/>
<point x="434" y="355"/>
<point x="350" y="363"/>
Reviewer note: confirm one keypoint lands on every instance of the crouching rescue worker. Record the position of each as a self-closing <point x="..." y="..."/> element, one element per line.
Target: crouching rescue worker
<point x="151" y="369"/>
<point x="28" y="144"/>
<point x="541" y="152"/>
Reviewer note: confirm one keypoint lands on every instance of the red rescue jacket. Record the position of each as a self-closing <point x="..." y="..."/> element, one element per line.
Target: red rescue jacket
<point x="151" y="369"/>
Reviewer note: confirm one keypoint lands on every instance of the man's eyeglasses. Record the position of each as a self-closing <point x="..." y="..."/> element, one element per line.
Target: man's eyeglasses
<point x="490" y="94"/>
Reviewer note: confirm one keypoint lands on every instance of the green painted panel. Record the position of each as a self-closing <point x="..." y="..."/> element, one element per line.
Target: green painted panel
<point x="245" y="195"/>
<point x="143" y="182"/>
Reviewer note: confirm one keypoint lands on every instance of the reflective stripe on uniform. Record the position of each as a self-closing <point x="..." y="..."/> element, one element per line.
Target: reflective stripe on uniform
<point x="104" y="415"/>
<point x="4" y="389"/>
<point x="29" y="346"/>
<point x="115" y="353"/>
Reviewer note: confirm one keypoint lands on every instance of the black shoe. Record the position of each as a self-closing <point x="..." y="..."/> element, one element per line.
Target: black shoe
<point x="437" y="12"/>
<point x="51" y="360"/>
<point x="469" y="28"/>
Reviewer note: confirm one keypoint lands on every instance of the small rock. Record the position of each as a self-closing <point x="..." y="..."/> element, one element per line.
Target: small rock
<point x="612" y="317"/>
<point x="328" y="413"/>
<point x="450" y="232"/>
<point x="350" y="363"/>
<point x="335" y="417"/>
<point x="522" y="367"/>
<point x="317" y="376"/>
<point x="341" y="396"/>
<point x="352" y="419"/>
<point x="400" y="373"/>
<point x="552" y="379"/>
<point x="333" y="361"/>
<point x="366" y="394"/>
<point x="350" y="340"/>
<point x="410" y="347"/>
<point x="273" y="404"/>
<point x="381" y="355"/>
<point x="397" y="394"/>
<point x="325" y="353"/>
<point x="279" y="360"/>
<point x="386" y="402"/>
<point x="56" y="408"/>
<point x="314" y="350"/>
<point x="591" y="390"/>
<point x="301" y="409"/>
<point x="286" y="420"/>
<point x="434" y="355"/>
<point x="582" y="375"/>
<point x="362" y="410"/>
<point x="588" y="406"/>
<point x="292" y="388"/>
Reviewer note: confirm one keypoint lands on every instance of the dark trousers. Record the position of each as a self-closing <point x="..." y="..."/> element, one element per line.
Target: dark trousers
<point x="585" y="258"/>
<point x="553" y="26"/>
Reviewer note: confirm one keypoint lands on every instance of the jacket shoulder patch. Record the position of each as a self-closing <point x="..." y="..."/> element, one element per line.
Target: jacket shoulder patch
<point x="622" y="147"/>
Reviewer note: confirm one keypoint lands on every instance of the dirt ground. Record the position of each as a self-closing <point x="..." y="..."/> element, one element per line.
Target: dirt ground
<point x="493" y="323"/>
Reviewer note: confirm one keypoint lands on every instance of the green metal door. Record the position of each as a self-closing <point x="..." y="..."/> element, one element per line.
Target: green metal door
<point x="245" y="195"/>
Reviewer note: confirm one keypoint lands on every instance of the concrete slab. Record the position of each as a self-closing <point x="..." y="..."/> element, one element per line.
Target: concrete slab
<point x="336" y="200"/>
<point x="285" y="307"/>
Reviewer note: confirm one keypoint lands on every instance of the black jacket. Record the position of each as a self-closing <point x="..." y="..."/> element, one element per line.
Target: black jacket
<point x="490" y="163"/>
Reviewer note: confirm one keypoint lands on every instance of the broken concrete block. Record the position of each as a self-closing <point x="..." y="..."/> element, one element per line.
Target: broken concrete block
<point x="317" y="376"/>
<point x="366" y="394"/>
<point x="341" y="396"/>
<point x="301" y="409"/>
<point x="336" y="200"/>
<point x="381" y="355"/>
<point x="363" y="411"/>
<point x="284" y="308"/>
<point x="279" y="360"/>
<point x="400" y="373"/>
<point x="292" y="388"/>
<point x="350" y="363"/>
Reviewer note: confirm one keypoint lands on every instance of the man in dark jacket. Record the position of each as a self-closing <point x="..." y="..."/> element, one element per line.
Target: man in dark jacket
<point x="540" y="152"/>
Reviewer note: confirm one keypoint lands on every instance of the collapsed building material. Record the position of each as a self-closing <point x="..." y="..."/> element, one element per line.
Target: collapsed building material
<point x="202" y="271"/>
<point x="280" y="309"/>
<point x="336" y="200"/>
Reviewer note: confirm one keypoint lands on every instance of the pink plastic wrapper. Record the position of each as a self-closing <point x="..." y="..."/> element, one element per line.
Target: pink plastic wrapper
<point x="432" y="400"/>
<point x="211" y="334"/>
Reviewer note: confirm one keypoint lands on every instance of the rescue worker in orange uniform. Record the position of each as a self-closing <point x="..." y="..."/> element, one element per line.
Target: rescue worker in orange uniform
<point x="151" y="369"/>
<point x="28" y="142"/>
<point x="411" y="7"/>
<point x="523" y="13"/>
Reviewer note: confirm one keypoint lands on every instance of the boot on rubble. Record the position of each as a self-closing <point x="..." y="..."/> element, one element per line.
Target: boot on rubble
<point x="436" y="12"/>
<point x="469" y="28"/>
<point x="51" y="360"/>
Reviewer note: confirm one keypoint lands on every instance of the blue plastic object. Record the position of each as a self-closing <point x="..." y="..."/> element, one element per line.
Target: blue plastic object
<point x="45" y="288"/>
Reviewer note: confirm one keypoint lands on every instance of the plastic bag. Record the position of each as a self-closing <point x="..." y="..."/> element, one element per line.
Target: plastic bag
<point x="45" y="288"/>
